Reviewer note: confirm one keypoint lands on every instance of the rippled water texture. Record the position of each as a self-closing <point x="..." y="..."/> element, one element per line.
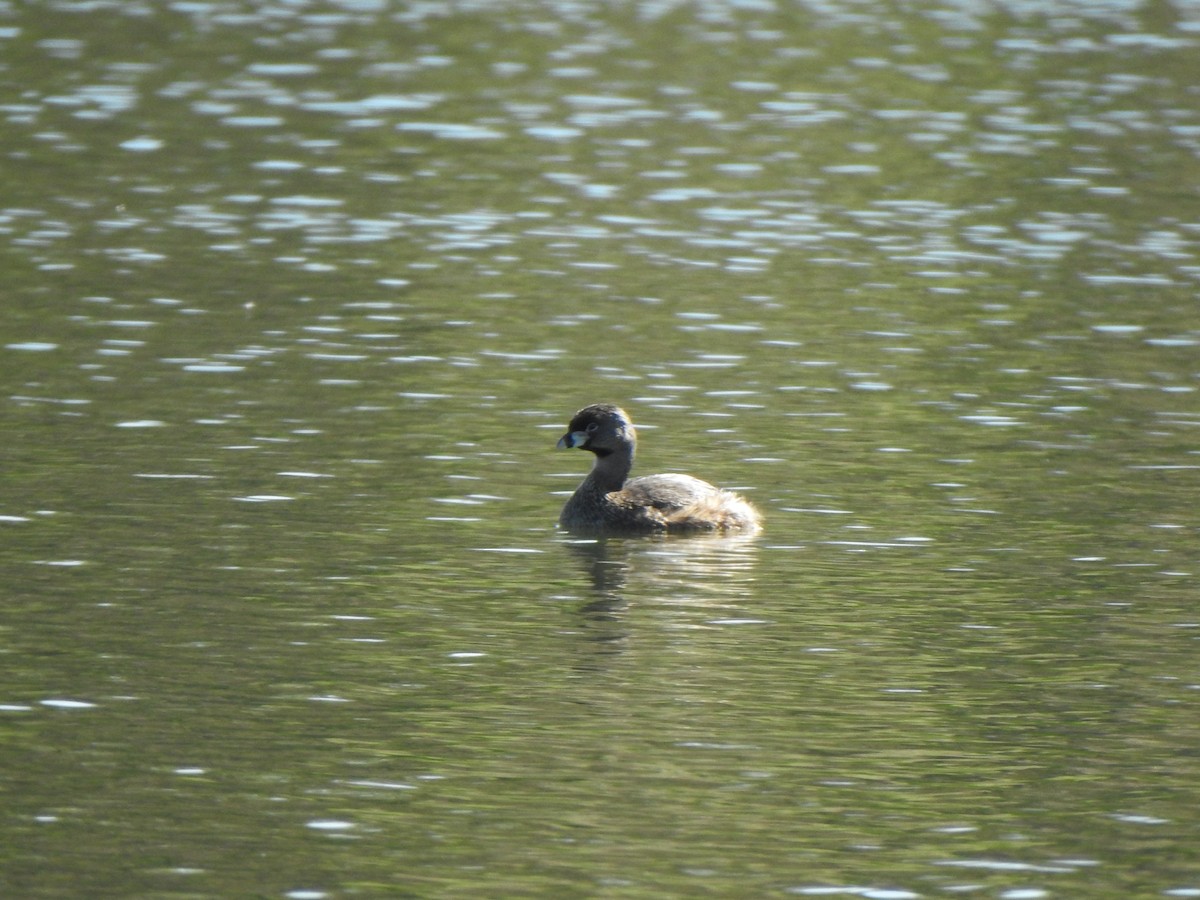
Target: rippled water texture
<point x="298" y="297"/>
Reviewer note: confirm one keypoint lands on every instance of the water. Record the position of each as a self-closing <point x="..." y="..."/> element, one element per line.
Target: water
<point x="298" y="298"/>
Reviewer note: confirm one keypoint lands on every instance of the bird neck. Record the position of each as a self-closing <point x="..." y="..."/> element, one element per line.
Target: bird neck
<point x="610" y="470"/>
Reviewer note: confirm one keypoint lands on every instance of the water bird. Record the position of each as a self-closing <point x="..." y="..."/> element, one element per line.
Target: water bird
<point x="607" y="503"/>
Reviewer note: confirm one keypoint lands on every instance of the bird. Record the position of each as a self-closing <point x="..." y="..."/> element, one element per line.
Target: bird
<point x="608" y="502"/>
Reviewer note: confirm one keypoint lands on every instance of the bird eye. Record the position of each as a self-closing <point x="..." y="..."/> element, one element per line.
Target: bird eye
<point x="592" y="426"/>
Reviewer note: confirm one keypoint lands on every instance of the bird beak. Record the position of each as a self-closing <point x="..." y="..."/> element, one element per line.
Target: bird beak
<point x="571" y="440"/>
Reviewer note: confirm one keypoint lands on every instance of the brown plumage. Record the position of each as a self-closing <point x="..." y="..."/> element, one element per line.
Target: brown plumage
<point x="606" y="503"/>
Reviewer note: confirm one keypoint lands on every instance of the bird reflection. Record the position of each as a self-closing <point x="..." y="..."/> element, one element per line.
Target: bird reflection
<point x="697" y="571"/>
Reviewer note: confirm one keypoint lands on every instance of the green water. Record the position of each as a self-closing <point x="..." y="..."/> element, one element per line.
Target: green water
<point x="298" y="298"/>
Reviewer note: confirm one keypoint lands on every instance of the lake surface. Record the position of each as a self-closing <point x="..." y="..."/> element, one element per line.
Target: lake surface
<point x="298" y="297"/>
